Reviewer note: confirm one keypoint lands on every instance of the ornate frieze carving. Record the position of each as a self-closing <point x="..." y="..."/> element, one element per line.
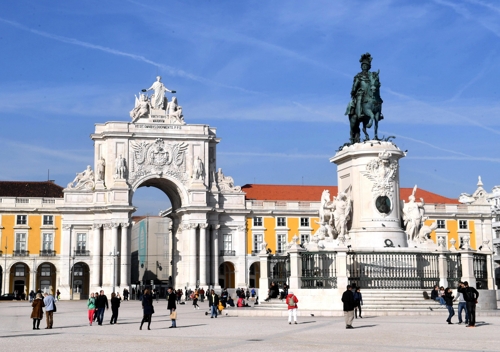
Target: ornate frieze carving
<point x="96" y="226"/>
<point x="158" y="158"/>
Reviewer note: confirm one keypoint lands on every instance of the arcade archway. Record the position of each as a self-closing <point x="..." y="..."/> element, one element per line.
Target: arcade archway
<point x="254" y="275"/>
<point x="80" y="281"/>
<point x="226" y="275"/>
<point x="46" y="278"/>
<point x="20" y="279"/>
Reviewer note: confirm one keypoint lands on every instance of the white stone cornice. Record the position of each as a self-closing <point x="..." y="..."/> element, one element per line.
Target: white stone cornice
<point x="203" y="225"/>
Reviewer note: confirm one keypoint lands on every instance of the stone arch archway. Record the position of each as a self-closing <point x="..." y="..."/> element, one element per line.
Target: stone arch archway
<point x="254" y="275"/>
<point x="227" y="275"/>
<point x="80" y="278"/>
<point x="20" y="275"/>
<point x="46" y="275"/>
<point x="174" y="190"/>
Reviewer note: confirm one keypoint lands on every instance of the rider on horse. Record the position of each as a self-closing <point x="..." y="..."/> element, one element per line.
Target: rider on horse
<point x="365" y="105"/>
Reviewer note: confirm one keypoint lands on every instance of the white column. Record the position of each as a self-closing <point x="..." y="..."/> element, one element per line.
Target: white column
<point x="96" y="257"/>
<point x="192" y="255"/>
<point x="107" y="259"/>
<point x="114" y="251"/>
<point x="64" y="271"/>
<point x="203" y="254"/>
<point x="215" y="239"/>
<point x="241" y="269"/>
<point x="124" y="257"/>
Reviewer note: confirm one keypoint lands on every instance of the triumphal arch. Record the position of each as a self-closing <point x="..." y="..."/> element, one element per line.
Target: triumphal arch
<point x="155" y="147"/>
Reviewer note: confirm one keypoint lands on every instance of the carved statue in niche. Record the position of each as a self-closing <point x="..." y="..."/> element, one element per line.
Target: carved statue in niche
<point x="198" y="169"/>
<point x="120" y="168"/>
<point x="141" y="108"/>
<point x="226" y="183"/>
<point x="83" y="180"/>
<point x="413" y="216"/>
<point x="101" y="166"/>
<point x="158" y="99"/>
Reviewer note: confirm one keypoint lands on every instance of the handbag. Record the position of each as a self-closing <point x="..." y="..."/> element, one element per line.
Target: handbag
<point x="55" y="308"/>
<point x="152" y="309"/>
<point x="173" y="315"/>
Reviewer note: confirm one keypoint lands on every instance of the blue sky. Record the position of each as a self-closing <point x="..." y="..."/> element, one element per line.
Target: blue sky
<point x="274" y="77"/>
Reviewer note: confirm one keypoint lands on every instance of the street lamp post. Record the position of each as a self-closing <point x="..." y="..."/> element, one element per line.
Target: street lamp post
<point x="73" y="274"/>
<point x="5" y="266"/>
<point x="114" y="254"/>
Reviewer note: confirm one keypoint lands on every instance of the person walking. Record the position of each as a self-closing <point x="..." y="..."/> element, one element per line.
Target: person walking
<point x="470" y="295"/>
<point x="202" y="295"/>
<point x="213" y="303"/>
<point x="358" y="302"/>
<point x="58" y="295"/>
<point x="147" y="308"/>
<point x="37" y="312"/>
<point x="91" y="308"/>
<point x="171" y="305"/>
<point x="115" y="304"/>
<point x="348" y="300"/>
<point x="50" y="307"/>
<point x="462" y="305"/>
<point x="195" y="299"/>
<point x="291" y="302"/>
<point x="448" y="298"/>
<point x="101" y="303"/>
<point x="32" y="296"/>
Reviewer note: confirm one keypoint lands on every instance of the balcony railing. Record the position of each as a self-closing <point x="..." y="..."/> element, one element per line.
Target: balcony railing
<point x="47" y="253"/>
<point x="82" y="252"/>
<point x="228" y="253"/>
<point x="21" y="253"/>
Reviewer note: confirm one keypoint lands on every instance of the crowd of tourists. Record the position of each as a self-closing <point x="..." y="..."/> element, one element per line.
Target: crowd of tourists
<point x="352" y="300"/>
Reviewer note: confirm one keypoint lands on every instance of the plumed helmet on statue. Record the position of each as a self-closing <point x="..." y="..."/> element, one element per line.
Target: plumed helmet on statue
<point x="366" y="59"/>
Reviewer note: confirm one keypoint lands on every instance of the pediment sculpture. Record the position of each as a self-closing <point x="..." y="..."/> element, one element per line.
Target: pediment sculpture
<point x="84" y="180"/>
<point x="382" y="172"/>
<point x="226" y="183"/>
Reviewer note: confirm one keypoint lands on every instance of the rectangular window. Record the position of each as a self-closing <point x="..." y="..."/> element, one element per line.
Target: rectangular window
<point x="462" y="224"/>
<point x="45" y="271"/>
<point x="257" y="242"/>
<point x="22" y="220"/>
<point x="81" y="242"/>
<point x="440" y="224"/>
<point x="228" y="242"/>
<point x="48" y="220"/>
<point x="47" y="244"/>
<point x="257" y="221"/>
<point x="20" y="241"/>
<point x="304" y="238"/>
<point x="281" y="221"/>
<point x="304" y="222"/>
<point x="281" y="243"/>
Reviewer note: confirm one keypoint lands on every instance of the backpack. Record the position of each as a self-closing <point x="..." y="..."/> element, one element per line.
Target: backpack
<point x="291" y="302"/>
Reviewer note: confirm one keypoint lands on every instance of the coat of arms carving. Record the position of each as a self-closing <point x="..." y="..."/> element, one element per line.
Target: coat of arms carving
<point x="159" y="158"/>
<point x="382" y="172"/>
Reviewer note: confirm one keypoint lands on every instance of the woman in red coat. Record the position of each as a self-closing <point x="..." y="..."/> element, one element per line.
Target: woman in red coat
<point x="37" y="312"/>
<point x="291" y="302"/>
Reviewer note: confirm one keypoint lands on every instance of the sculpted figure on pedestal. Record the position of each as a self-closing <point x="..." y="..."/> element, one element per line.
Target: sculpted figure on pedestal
<point x="341" y="207"/>
<point x="413" y="216"/>
<point x="226" y="183"/>
<point x="158" y="99"/>
<point x="101" y="165"/>
<point x="198" y="169"/>
<point x="83" y="180"/>
<point x="365" y="105"/>
<point x="141" y="108"/>
<point x="120" y="168"/>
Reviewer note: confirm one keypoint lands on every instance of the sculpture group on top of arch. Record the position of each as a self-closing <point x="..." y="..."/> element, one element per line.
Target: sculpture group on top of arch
<point x="157" y="105"/>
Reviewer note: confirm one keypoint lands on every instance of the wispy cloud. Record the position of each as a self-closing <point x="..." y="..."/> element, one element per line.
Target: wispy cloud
<point x="277" y="155"/>
<point x="167" y="69"/>
<point x="36" y="150"/>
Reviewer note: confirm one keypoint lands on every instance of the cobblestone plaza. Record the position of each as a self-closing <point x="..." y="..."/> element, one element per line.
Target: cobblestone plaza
<point x="233" y="332"/>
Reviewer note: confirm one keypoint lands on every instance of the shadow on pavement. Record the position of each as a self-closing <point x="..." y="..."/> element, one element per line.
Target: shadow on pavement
<point x="365" y="326"/>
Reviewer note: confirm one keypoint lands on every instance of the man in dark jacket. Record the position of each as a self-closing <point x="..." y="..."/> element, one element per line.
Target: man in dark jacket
<point x="348" y="300"/>
<point x="101" y="303"/>
<point x="470" y="295"/>
<point x="172" y="299"/>
<point x="213" y="303"/>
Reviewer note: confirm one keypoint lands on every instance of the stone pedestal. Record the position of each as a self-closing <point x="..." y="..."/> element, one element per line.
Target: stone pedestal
<point x="369" y="174"/>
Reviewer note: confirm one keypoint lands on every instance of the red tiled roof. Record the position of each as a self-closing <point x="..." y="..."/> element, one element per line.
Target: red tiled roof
<point x="44" y="189"/>
<point x="313" y="193"/>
